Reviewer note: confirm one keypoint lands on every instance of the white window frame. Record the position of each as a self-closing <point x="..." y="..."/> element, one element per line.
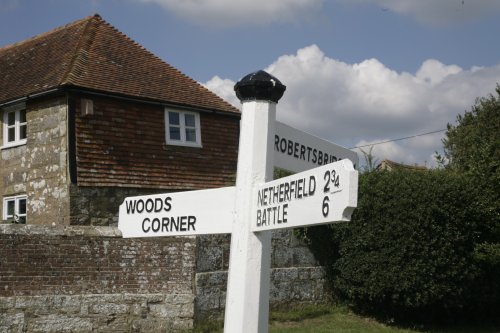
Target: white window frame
<point x="182" y="128"/>
<point x="16" y="109"/>
<point x="17" y="199"/>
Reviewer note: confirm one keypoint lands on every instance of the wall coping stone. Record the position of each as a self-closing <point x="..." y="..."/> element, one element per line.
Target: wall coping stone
<point x="31" y="229"/>
<point x="86" y="231"/>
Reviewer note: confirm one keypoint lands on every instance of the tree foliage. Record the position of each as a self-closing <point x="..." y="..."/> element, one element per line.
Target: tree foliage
<point x="473" y="145"/>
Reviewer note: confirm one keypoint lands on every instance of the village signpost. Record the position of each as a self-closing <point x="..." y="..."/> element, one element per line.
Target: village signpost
<point x="322" y="192"/>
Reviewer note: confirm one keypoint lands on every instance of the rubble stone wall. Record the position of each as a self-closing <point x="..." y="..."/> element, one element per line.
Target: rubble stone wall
<point x="39" y="168"/>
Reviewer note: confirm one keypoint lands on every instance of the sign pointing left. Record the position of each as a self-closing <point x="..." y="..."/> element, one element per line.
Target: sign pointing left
<point x="178" y="214"/>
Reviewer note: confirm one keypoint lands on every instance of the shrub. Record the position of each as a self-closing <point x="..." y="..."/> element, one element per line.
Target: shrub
<point x="410" y="252"/>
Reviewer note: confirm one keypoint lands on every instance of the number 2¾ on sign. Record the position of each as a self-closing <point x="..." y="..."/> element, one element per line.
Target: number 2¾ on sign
<point x="331" y="182"/>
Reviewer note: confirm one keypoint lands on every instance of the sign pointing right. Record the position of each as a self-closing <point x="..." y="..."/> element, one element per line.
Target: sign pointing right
<point x="322" y="195"/>
<point x="297" y="151"/>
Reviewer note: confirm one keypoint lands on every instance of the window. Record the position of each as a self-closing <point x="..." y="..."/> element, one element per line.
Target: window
<point x="14" y="126"/>
<point x="14" y="209"/>
<point x="183" y="128"/>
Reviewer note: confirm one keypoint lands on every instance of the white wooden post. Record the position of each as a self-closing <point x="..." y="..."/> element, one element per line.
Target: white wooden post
<point x="247" y="299"/>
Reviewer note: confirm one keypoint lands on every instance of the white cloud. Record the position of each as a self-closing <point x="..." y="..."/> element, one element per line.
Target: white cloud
<point x="355" y="104"/>
<point x="240" y="12"/>
<point x="438" y="11"/>
<point x="224" y="88"/>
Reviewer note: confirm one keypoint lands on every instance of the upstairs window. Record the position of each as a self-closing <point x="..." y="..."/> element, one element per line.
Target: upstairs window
<point x="14" y="209"/>
<point x="14" y="126"/>
<point x="183" y="128"/>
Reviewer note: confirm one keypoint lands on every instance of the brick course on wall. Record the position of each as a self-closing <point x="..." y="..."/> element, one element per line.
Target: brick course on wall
<point x="108" y="282"/>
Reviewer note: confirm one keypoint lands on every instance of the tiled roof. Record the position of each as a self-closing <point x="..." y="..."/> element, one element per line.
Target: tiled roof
<point x="92" y="54"/>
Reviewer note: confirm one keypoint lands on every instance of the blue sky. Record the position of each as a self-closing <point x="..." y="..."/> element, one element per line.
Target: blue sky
<point x="357" y="71"/>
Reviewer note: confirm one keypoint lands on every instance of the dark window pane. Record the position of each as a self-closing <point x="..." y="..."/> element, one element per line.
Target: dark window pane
<point x="190" y="135"/>
<point x="173" y="118"/>
<point x="22" y="116"/>
<point x="11" y="118"/>
<point x="22" y="132"/>
<point x="22" y="207"/>
<point x="189" y="118"/>
<point x="10" y="207"/>
<point x="175" y="133"/>
<point x="11" y="134"/>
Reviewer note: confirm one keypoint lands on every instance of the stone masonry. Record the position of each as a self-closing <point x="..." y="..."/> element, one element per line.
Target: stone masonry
<point x="39" y="169"/>
<point x="84" y="278"/>
<point x="296" y="276"/>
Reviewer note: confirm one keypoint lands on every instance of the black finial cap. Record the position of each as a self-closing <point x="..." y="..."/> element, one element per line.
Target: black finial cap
<point x="261" y="86"/>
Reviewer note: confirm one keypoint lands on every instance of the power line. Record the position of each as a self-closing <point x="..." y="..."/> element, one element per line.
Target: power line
<point x="399" y="139"/>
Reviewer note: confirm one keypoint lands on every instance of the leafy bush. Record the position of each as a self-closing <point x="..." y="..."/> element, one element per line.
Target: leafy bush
<point x="411" y="250"/>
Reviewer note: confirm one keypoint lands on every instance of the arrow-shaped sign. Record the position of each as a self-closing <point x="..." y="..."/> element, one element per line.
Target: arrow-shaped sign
<point x="181" y="213"/>
<point x="322" y="195"/>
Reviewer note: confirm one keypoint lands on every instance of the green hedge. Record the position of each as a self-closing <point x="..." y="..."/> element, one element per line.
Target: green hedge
<point x="412" y="251"/>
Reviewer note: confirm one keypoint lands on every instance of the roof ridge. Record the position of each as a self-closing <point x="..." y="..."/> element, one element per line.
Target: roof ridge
<point x="82" y="47"/>
<point x="201" y="86"/>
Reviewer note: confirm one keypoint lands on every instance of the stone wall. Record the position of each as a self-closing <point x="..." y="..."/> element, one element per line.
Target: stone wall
<point x="39" y="169"/>
<point x="296" y="276"/>
<point x="85" y="278"/>
<point x="90" y="279"/>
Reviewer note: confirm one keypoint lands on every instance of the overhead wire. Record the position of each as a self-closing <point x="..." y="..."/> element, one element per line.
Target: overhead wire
<point x="399" y="139"/>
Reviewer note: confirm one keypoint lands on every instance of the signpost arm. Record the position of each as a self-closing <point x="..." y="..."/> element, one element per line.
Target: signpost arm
<point x="247" y="300"/>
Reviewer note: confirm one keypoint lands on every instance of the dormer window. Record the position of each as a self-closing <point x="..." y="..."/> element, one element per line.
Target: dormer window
<point x="14" y="126"/>
<point x="182" y="128"/>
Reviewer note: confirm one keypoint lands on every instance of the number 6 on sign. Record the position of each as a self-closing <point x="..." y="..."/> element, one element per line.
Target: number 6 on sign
<point x="326" y="206"/>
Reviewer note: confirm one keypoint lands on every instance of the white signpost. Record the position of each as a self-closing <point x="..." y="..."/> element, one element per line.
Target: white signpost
<point x="298" y="151"/>
<point x="323" y="192"/>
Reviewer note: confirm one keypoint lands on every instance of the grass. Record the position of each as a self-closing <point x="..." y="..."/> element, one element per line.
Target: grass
<point x="338" y="319"/>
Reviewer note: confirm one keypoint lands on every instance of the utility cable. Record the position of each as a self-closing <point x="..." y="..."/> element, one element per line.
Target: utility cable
<point x="399" y="139"/>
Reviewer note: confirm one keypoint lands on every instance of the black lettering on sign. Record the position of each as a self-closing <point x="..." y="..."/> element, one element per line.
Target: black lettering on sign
<point x="331" y="178"/>
<point x="169" y="224"/>
<point x="146" y="225"/>
<point x="151" y="205"/>
<point x="272" y="215"/>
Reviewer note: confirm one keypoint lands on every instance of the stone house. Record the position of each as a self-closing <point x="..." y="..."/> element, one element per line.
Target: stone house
<point x="90" y="117"/>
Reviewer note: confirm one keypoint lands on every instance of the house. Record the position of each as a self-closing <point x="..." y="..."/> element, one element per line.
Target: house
<point x="389" y="165"/>
<point x="89" y="117"/>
